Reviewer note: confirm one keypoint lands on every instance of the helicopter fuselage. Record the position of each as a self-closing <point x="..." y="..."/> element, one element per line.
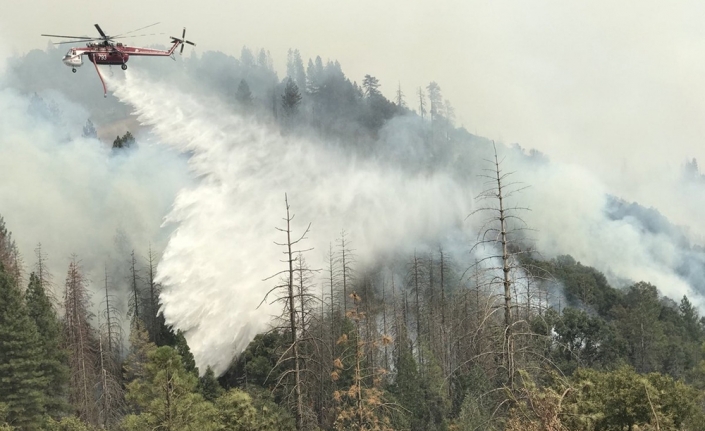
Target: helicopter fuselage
<point x="111" y="54"/>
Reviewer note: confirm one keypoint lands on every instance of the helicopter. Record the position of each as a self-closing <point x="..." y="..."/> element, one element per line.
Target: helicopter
<point x="104" y="50"/>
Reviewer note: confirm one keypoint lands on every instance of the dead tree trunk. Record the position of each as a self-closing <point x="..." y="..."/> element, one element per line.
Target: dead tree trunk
<point x="506" y="282"/>
<point x="288" y="291"/>
<point x="80" y="343"/>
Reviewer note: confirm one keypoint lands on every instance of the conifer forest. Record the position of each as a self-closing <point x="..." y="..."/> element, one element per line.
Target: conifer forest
<point x="218" y="245"/>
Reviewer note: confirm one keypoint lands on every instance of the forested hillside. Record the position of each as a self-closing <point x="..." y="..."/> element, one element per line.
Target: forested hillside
<point x="468" y="327"/>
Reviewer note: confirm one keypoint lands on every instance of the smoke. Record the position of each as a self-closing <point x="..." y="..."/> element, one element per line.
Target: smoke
<point x="574" y="213"/>
<point x="223" y="246"/>
<point x="400" y="195"/>
<point x="73" y="194"/>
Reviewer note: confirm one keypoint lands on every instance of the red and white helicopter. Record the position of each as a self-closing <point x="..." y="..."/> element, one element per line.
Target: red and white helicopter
<point x="103" y="50"/>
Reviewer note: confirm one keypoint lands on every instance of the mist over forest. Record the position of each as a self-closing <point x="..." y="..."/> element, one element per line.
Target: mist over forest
<point x="301" y="249"/>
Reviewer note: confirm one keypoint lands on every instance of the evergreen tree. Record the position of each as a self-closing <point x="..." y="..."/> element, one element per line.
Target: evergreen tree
<point x="436" y="100"/>
<point x="243" y="94"/>
<point x="140" y="348"/>
<point x="691" y="319"/>
<point x="9" y="253"/>
<point x="247" y="59"/>
<point x="89" y="130"/>
<point x="239" y="411"/>
<point x="22" y="382"/>
<point x="314" y="76"/>
<point x="370" y="84"/>
<point x="295" y="68"/>
<point x="184" y="351"/>
<point x="407" y="382"/>
<point x="53" y="357"/>
<point x="167" y="398"/>
<point x="135" y="279"/>
<point x="158" y="331"/>
<point x="208" y="385"/>
<point x="126" y="141"/>
<point x="291" y="100"/>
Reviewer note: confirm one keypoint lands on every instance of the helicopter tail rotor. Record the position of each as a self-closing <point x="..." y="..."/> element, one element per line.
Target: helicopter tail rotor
<point x="182" y="40"/>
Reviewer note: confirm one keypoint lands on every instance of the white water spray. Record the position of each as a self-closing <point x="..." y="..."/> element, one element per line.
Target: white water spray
<point x="224" y="247"/>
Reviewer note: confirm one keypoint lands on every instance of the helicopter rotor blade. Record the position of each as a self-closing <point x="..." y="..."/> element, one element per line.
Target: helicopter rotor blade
<point x="75" y="41"/>
<point x="136" y="35"/>
<point x="68" y="37"/>
<point x="183" y="35"/>
<point x="138" y="29"/>
<point x="101" y="31"/>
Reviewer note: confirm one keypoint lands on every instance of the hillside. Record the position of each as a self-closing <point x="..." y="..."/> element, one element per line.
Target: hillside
<point x="317" y="251"/>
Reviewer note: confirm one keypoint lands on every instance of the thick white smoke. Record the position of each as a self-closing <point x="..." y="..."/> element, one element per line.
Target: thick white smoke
<point x="73" y="194"/>
<point x="568" y="209"/>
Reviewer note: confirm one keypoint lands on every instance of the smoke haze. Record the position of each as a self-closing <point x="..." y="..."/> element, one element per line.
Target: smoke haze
<point x="207" y="186"/>
<point x="224" y="244"/>
<point x="74" y="194"/>
<point x="223" y="247"/>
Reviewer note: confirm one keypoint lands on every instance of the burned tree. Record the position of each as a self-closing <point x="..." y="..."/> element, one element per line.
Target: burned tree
<point x="291" y="291"/>
<point x="499" y="237"/>
<point x="81" y="344"/>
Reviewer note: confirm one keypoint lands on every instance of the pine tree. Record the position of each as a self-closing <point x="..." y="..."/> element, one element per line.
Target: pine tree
<point x="436" y="99"/>
<point x="140" y="348"/>
<point x="22" y="382"/>
<point x="154" y="320"/>
<point x="53" y="357"/>
<point x="126" y="141"/>
<point x="135" y="289"/>
<point x="243" y="94"/>
<point x="184" y="351"/>
<point x="9" y="254"/>
<point x="208" y="385"/>
<point x="370" y="84"/>
<point x="407" y="386"/>
<point x="167" y="397"/>
<point x="291" y="99"/>
<point x="89" y="130"/>
<point x="295" y="68"/>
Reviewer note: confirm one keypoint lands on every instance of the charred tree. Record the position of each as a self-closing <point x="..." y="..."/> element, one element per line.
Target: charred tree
<point x="81" y="344"/>
<point x="500" y="232"/>
<point x="288" y="293"/>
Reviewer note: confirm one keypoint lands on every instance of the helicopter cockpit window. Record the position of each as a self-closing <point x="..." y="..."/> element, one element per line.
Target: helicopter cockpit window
<point x="71" y="52"/>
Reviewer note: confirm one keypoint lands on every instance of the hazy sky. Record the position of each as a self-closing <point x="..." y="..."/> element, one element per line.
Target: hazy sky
<point x="617" y="86"/>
